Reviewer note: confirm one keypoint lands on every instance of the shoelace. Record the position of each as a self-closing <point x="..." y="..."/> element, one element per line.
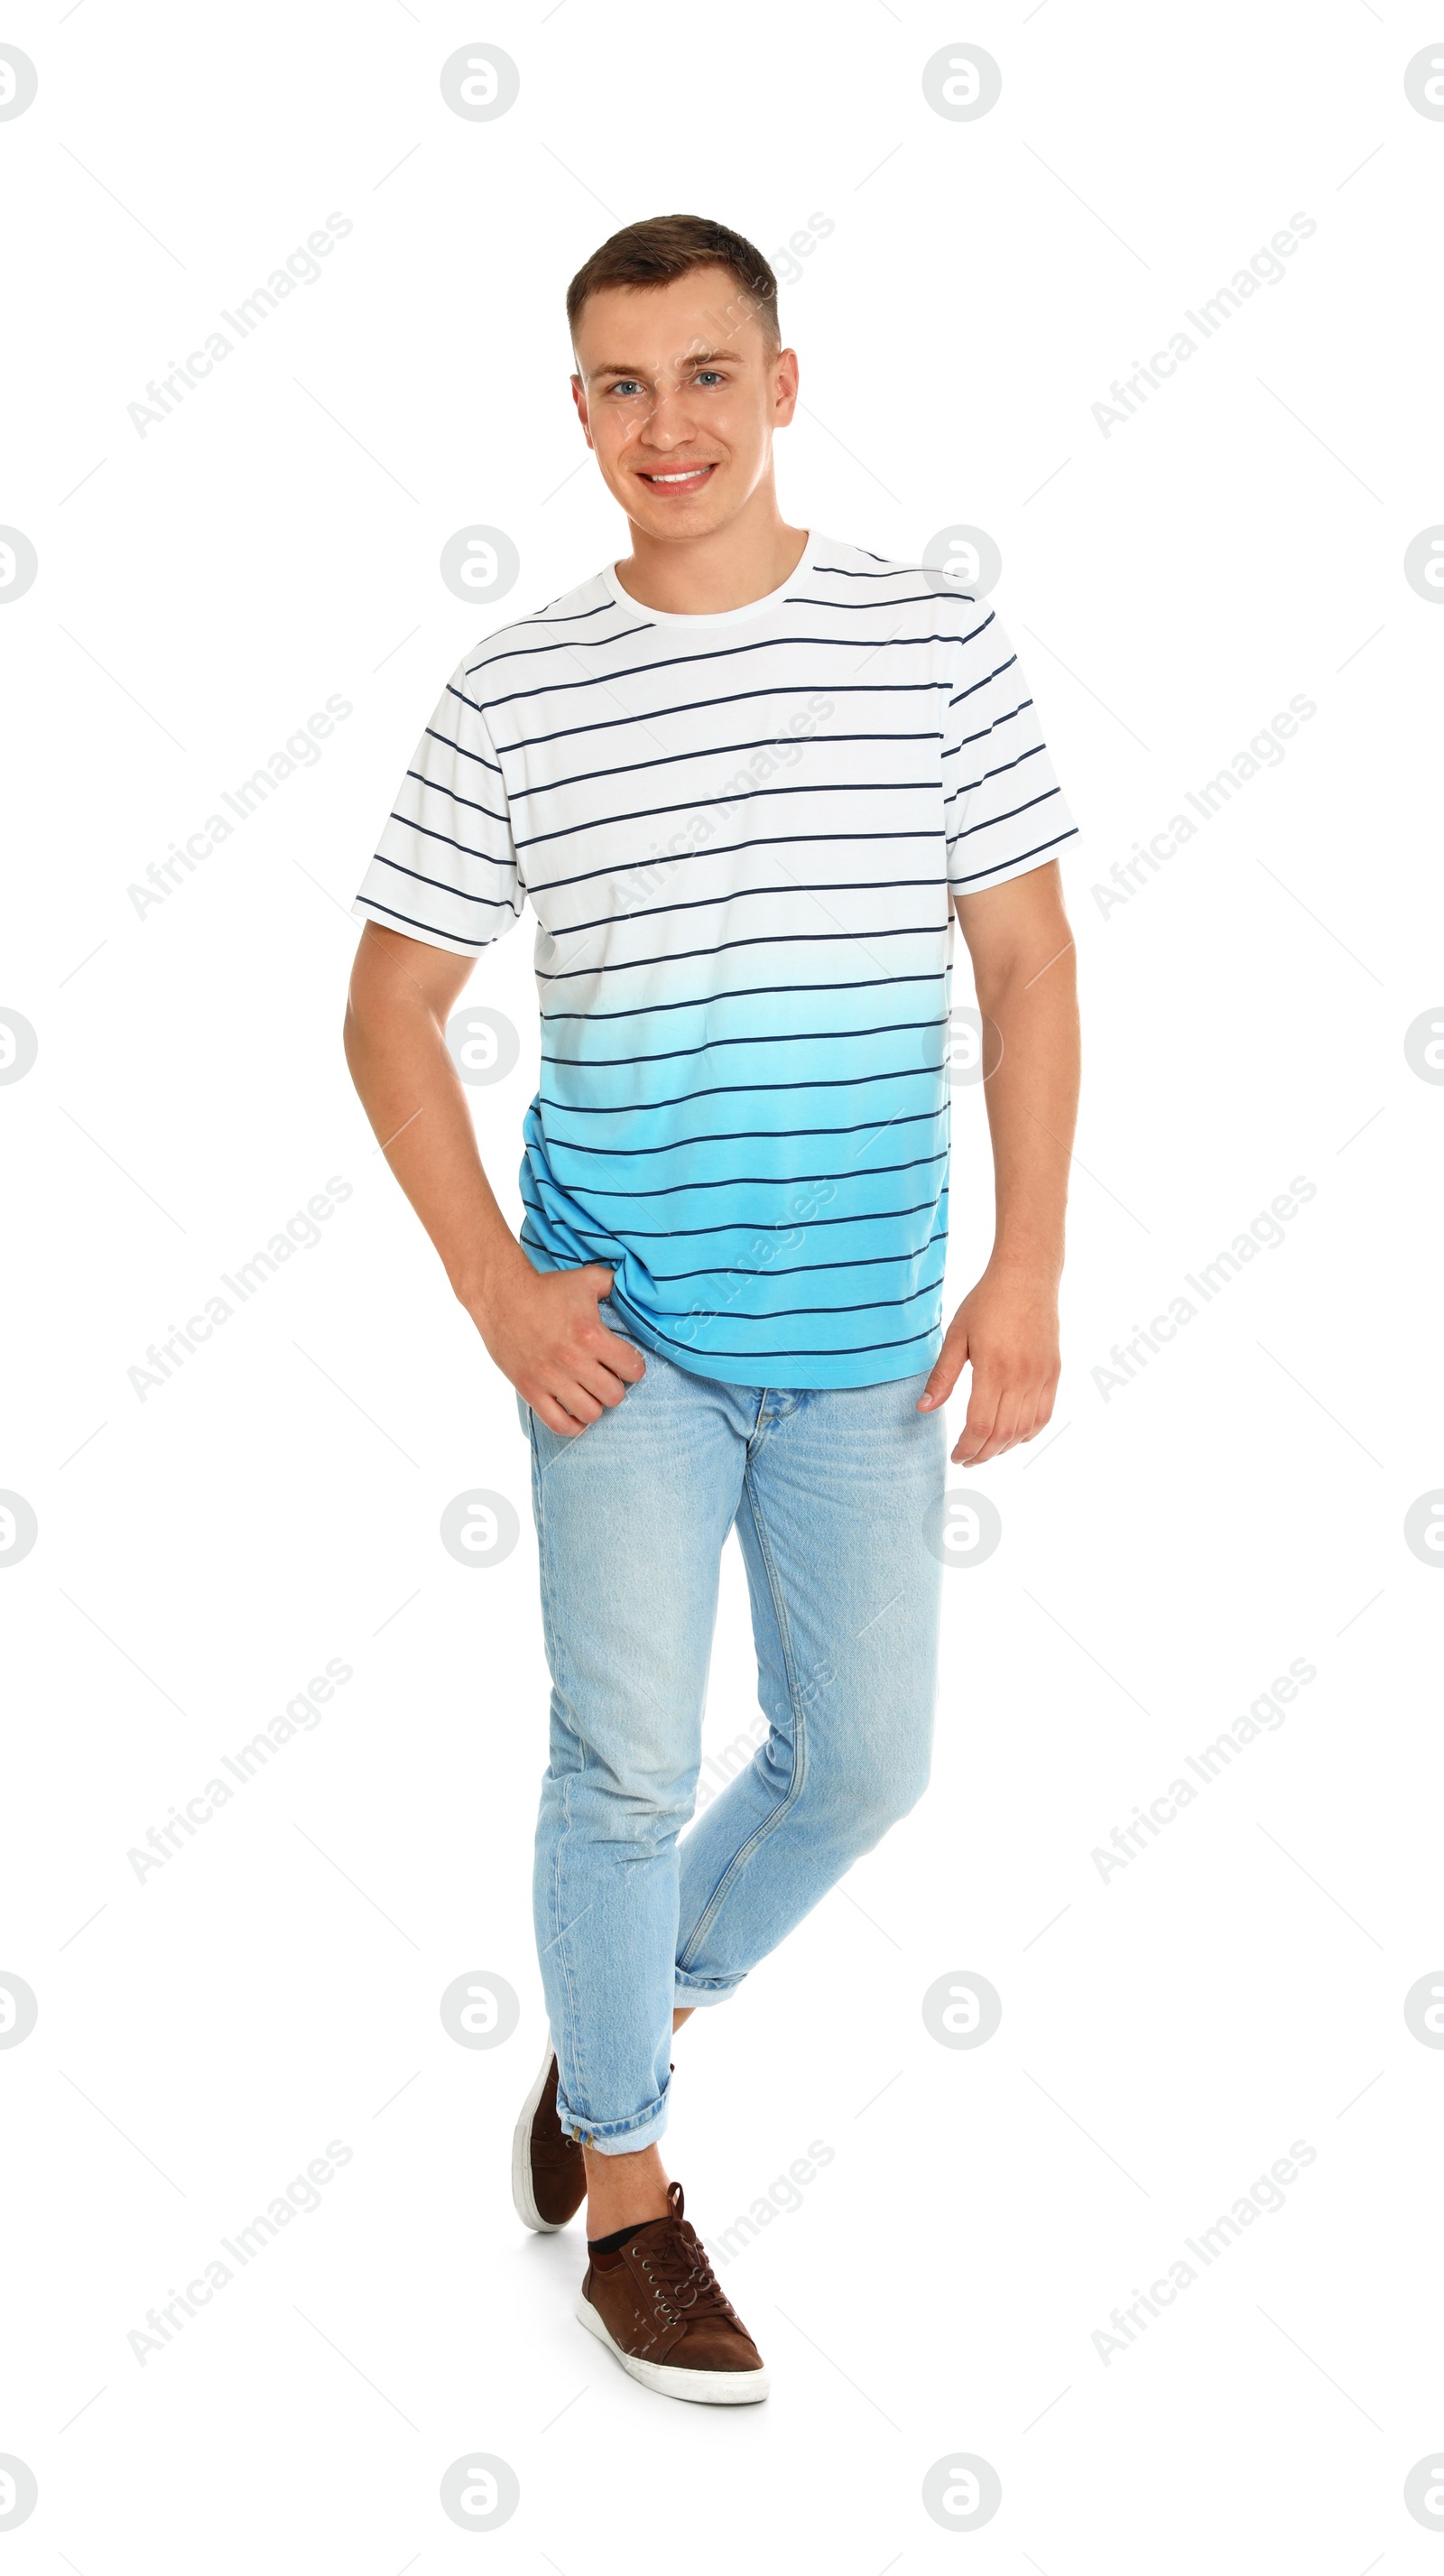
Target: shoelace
<point x="677" y="2265"/>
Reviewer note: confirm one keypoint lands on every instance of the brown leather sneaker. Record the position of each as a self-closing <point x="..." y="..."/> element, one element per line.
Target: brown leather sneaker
<point x="548" y="2169"/>
<point x="657" y="2305"/>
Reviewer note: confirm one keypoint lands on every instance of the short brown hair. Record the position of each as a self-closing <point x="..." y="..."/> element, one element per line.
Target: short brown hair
<point x="668" y="246"/>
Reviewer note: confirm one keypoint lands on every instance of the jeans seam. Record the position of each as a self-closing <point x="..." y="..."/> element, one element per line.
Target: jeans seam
<point x="794" y="1787"/>
<point x="553" y="1639"/>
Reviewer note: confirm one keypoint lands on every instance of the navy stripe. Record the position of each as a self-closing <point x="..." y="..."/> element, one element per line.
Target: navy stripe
<point x="730" y="698"/>
<point x="779" y="939"/>
<point x="760" y="1225"/>
<point x="741" y="1136"/>
<point x="720" y="653"/>
<point x="864" y="1306"/>
<point x="745" y="993"/>
<point x="1036" y="852"/>
<point x="987" y="730"/>
<point x="744" y="894"/>
<point x="851" y="1350"/>
<point x="425" y="926"/>
<point x="729" y="849"/>
<point x="492" y="902"/>
<point x="564" y="644"/>
<point x="709" y="751"/>
<point x="770" y="1181"/>
<point x="433" y="736"/>
<point x="860" y="1261"/>
<point x="746" y="796"/>
<point x="763" y="1037"/>
<point x="1000" y="772"/>
<point x="729" y="1090"/>
<point x="465" y="848"/>
<point x="990" y="822"/>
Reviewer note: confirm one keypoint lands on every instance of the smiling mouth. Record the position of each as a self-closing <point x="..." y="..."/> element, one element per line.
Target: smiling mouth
<point x="683" y="478"/>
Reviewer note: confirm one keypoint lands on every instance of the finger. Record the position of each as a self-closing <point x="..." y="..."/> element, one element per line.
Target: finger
<point x="977" y="1429"/>
<point x="1042" y="1410"/>
<point x="622" y="1358"/>
<point x="554" y="1415"/>
<point x="599" y="1381"/>
<point x="946" y="1370"/>
<point x="580" y="1403"/>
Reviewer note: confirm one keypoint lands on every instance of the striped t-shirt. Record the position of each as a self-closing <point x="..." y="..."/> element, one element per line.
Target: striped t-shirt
<point x="738" y="833"/>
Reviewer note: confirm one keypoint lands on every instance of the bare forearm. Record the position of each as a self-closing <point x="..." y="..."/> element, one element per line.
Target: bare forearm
<point x="413" y="1096"/>
<point x="1032" y="1101"/>
<point x="543" y="1328"/>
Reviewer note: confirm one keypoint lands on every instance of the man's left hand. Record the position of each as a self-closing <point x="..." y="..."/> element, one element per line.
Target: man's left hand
<point x="1007" y="1328"/>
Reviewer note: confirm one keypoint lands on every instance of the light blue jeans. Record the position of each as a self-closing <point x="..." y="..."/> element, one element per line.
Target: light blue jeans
<point x="830" y="1491"/>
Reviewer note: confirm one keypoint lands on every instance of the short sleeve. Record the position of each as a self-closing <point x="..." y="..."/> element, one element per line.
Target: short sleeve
<point x="445" y="869"/>
<point x="1003" y="805"/>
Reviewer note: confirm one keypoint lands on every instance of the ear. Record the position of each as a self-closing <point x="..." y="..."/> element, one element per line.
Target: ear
<point x="580" y="399"/>
<point x="784" y="387"/>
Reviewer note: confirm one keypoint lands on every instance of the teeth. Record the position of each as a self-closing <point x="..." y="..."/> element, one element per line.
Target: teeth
<point x="689" y="477"/>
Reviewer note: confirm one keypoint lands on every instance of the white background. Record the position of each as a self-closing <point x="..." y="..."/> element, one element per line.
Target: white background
<point x="1165" y="2035"/>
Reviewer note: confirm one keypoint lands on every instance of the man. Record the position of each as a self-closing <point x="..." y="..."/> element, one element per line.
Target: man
<point x="745" y="775"/>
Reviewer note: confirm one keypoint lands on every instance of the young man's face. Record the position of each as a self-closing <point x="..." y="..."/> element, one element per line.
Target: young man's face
<point x="679" y="392"/>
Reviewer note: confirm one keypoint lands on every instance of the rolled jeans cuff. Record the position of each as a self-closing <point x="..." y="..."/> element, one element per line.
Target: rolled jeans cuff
<point x="615" y="2137"/>
<point x="691" y="1991"/>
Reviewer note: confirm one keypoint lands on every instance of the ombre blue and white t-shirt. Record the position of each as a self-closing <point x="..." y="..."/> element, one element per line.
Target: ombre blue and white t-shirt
<point x="739" y="834"/>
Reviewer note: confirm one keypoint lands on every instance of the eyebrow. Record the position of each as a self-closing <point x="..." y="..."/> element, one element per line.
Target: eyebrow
<point x="693" y="358"/>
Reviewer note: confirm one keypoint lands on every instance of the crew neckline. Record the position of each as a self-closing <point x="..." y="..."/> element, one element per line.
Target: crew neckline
<point x="742" y="616"/>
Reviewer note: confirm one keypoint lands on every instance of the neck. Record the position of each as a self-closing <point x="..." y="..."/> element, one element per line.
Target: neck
<point x="696" y="576"/>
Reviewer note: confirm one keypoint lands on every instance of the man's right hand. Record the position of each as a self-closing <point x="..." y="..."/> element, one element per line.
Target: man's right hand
<point x="543" y="1330"/>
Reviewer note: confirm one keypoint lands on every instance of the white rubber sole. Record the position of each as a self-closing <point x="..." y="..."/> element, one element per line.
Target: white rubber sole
<point x="702" y="2387"/>
<point x="523" y="2199"/>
